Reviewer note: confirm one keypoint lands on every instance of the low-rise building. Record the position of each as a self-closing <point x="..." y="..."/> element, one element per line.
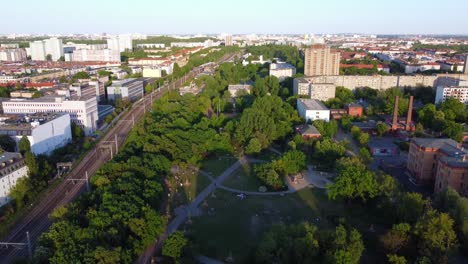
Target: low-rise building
<point x="234" y="89"/>
<point x="129" y="89"/>
<point x="355" y="110"/>
<point x="46" y="132"/>
<point x="282" y="70"/>
<point x="12" y="168"/>
<point x="452" y="172"/>
<point x="381" y="148"/>
<point x="312" y="109"/>
<point x="308" y="131"/>
<point x="82" y="110"/>
<point x="458" y="92"/>
<point x="106" y="55"/>
<point x="319" y="91"/>
<point x="424" y="156"/>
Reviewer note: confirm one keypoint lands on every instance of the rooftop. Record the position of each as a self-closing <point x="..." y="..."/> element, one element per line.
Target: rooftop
<point x="26" y="122"/>
<point x="124" y="82"/>
<point x="446" y="145"/>
<point x="307" y="129"/>
<point x="460" y="161"/>
<point x="312" y="104"/>
<point x="7" y="158"/>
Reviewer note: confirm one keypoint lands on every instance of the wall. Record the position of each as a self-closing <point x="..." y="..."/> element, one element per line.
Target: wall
<point x="385" y="82"/>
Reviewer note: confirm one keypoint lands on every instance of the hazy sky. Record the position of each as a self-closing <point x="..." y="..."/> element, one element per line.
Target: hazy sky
<point x="235" y="16"/>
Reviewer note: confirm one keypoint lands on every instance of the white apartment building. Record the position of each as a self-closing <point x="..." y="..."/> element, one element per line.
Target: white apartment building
<point x="12" y="168"/>
<point x="13" y="79"/>
<point x="319" y="91"/>
<point x="46" y="132"/>
<point x="187" y="44"/>
<point x="120" y="43"/>
<point x="311" y="109"/>
<point x="106" y="55"/>
<point x="54" y="47"/>
<point x="39" y="49"/>
<point x="82" y="110"/>
<point x="228" y="40"/>
<point x="13" y="55"/>
<point x="130" y="89"/>
<point x="282" y="70"/>
<point x="458" y="92"/>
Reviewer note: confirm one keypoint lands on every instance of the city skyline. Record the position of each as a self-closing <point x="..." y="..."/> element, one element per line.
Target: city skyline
<point x="240" y="17"/>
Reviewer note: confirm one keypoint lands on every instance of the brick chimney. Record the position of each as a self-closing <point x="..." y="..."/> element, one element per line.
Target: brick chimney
<point x="410" y="114"/>
<point x="395" y="114"/>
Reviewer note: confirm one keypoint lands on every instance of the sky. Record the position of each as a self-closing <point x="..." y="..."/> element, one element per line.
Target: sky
<point x="235" y="16"/>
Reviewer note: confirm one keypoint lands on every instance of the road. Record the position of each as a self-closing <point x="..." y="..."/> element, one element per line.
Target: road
<point x="36" y="221"/>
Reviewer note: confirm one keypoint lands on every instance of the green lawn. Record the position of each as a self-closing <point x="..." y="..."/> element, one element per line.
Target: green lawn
<point x="216" y="164"/>
<point x="243" y="179"/>
<point x="188" y="187"/>
<point x="235" y="226"/>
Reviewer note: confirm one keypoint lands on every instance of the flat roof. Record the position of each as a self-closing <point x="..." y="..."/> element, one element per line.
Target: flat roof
<point x="125" y="82"/>
<point x="460" y="161"/>
<point x="312" y="104"/>
<point x="7" y="156"/>
<point x="25" y="122"/>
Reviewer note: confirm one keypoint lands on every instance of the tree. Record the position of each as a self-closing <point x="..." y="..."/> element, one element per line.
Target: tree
<point x="48" y="57"/>
<point x="381" y="128"/>
<point x="453" y="130"/>
<point x="174" y="245"/>
<point x="354" y="181"/>
<point x="253" y="147"/>
<point x="20" y="192"/>
<point x="7" y="143"/>
<point x="327" y="152"/>
<point x="426" y="115"/>
<point x="363" y="139"/>
<point x="346" y="246"/>
<point x="31" y="162"/>
<point x="436" y="237"/>
<point x="454" y="109"/>
<point x="397" y="238"/>
<point x="24" y="145"/>
<point x="77" y="132"/>
<point x="395" y="259"/>
<point x="289" y="244"/>
<point x="365" y="155"/>
<point x="294" y="161"/>
<point x="411" y="207"/>
<point x="81" y="75"/>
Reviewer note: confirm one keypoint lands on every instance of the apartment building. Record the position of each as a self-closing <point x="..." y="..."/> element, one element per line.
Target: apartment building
<point x="458" y="92"/>
<point x="82" y="110"/>
<point x="45" y="131"/>
<point x="13" y="55"/>
<point x="311" y="109"/>
<point x="12" y="168"/>
<point x="129" y="89"/>
<point x="120" y="43"/>
<point x="319" y="91"/>
<point x="282" y="70"/>
<point x="106" y="55"/>
<point x="452" y="172"/>
<point x="320" y="60"/>
<point x="41" y="48"/>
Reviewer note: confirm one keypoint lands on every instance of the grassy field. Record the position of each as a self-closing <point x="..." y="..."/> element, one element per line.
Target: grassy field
<point x="217" y="164"/>
<point x="233" y="226"/>
<point x="243" y="179"/>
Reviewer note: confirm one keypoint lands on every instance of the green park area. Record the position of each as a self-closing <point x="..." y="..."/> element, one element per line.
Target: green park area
<point x="231" y="226"/>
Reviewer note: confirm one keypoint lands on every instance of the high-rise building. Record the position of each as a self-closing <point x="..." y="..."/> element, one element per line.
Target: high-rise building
<point x="320" y="60"/>
<point x="54" y="47"/>
<point x="228" y="40"/>
<point x="41" y="48"/>
<point x="37" y="50"/>
<point x="13" y="55"/>
<point x="120" y="43"/>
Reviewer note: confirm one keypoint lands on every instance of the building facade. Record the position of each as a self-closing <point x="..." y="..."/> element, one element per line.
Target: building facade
<point x="452" y="172"/>
<point x="320" y="60"/>
<point x="319" y="91"/>
<point x="83" y="111"/>
<point x="120" y="43"/>
<point x="282" y="70"/>
<point x="458" y="92"/>
<point x="13" y="55"/>
<point x="12" y="168"/>
<point x="130" y="89"/>
<point x="37" y="50"/>
<point x="106" y="55"/>
<point x="311" y="109"/>
<point x="46" y="132"/>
